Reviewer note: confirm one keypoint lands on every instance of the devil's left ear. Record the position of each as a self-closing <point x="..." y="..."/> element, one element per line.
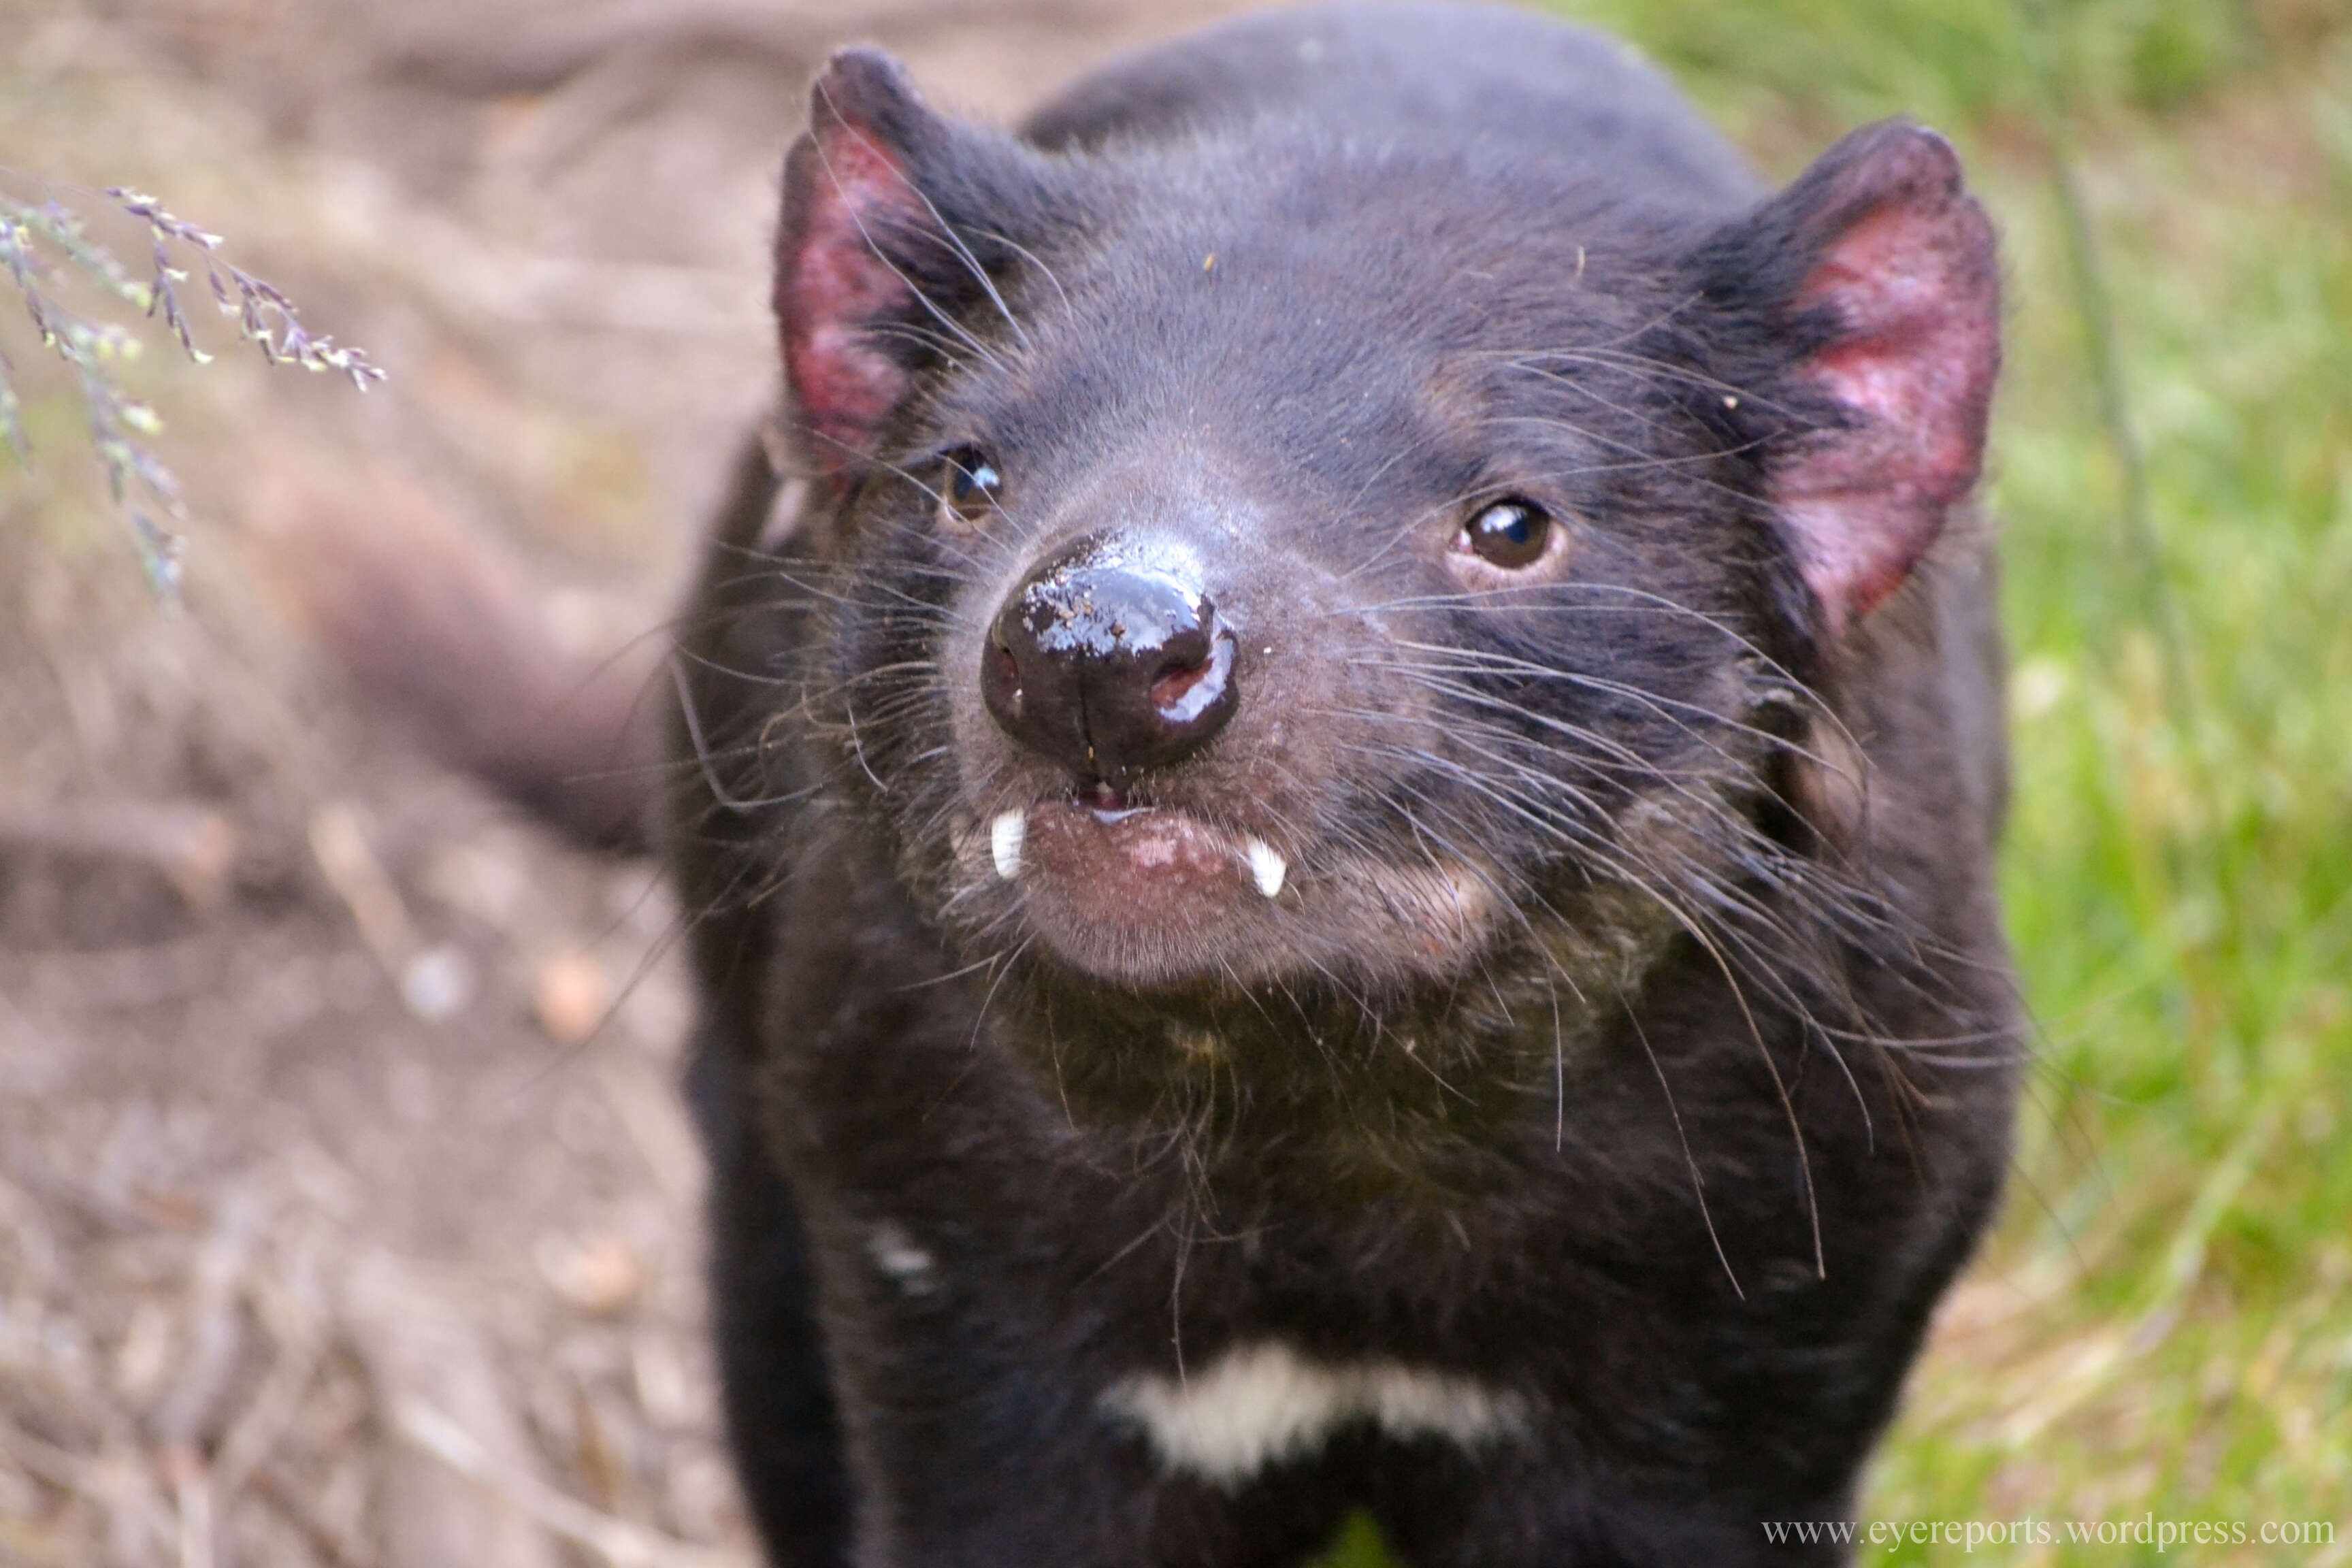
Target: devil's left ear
<point x="1877" y="274"/>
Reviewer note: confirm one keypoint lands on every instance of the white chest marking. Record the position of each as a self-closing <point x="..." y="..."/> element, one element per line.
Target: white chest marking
<point x="1258" y="1404"/>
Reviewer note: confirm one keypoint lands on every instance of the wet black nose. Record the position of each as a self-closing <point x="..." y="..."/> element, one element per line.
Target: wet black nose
<point x="1109" y="666"/>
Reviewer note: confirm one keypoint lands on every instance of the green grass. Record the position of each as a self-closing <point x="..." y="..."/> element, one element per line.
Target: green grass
<point x="2163" y="1325"/>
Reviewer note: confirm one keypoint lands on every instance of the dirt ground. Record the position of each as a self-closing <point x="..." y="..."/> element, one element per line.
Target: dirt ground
<point x="347" y="1205"/>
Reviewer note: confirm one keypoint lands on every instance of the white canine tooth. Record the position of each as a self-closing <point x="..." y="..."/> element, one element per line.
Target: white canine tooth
<point x="1004" y="836"/>
<point x="1268" y="868"/>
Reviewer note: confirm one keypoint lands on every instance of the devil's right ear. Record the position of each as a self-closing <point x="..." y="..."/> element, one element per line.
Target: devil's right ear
<point x="878" y="253"/>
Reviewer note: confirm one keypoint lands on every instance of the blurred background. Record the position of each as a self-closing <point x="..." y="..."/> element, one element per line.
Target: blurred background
<point x="347" y="1209"/>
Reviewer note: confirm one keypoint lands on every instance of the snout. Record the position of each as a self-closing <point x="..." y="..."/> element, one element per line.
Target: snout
<point x="1124" y="806"/>
<point x="1108" y="660"/>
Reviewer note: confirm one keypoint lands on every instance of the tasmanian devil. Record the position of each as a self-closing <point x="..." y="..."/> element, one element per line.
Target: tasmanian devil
<point x="1340" y="861"/>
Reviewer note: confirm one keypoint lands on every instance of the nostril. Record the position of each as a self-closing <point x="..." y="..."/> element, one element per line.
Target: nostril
<point x="1169" y="692"/>
<point x="1184" y="689"/>
<point x="1002" y="678"/>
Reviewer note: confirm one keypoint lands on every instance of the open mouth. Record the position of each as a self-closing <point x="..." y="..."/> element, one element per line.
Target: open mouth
<point x="1101" y="847"/>
<point x="1142" y="892"/>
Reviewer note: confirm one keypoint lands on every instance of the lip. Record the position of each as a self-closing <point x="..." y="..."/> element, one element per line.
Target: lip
<point x="1140" y="894"/>
<point x="1131" y="854"/>
<point x="1150" y="896"/>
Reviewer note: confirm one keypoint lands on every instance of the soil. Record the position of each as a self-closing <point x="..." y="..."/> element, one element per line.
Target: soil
<point x="347" y="1209"/>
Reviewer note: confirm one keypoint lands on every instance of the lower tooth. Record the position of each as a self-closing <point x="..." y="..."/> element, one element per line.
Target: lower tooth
<point x="1004" y="836"/>
<point x="1266" y="868"/>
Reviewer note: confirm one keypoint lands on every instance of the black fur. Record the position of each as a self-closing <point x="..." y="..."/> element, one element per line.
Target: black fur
<point x="1633" y="1035"/>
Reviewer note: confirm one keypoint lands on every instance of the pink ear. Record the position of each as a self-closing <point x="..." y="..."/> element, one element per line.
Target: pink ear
<point x="1904" y="286"/>
<point x="848" y="196"/>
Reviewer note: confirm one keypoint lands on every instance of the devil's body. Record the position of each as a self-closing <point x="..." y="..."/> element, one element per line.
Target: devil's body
<point x="1561" y="1161"/>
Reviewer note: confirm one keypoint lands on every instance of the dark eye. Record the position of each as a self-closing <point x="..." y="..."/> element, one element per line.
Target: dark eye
<point x="969" y="484"/>
<point x="1509" y="533"/>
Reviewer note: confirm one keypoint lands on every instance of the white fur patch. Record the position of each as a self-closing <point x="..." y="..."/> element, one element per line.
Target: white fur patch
<point x="1259" y="1403"/>
<point x="895" y="1252"/>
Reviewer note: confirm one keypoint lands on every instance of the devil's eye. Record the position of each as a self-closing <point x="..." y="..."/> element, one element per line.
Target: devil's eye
<point x="1509" y="533"/>
<point x="969" y="486"/>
